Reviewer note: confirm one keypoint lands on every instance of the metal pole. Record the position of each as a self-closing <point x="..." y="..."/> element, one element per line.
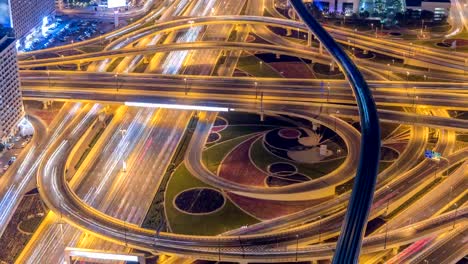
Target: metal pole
<point x="455" y="217"/>
<point x="186" y="87"/>
<point x="297" y="246"/>
<point x="219" y="249"/>
<point x="116" y="81"/>
<point x="256" y="90"/>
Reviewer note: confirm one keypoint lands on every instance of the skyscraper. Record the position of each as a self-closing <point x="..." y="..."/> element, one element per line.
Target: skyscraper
<point x="11" y="107"/>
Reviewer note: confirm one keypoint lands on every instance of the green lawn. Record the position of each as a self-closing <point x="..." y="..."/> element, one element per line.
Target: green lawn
<point x="262" y="158"/>
<point x="236" y="131"/>
<point x="227" y="218"/>
<point x="213" y="156"/>
<point x="256" y="67"/>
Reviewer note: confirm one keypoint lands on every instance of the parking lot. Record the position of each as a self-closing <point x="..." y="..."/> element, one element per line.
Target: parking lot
<point x="66" y="30"/>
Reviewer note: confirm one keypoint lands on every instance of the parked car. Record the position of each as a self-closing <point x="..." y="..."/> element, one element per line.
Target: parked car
<point x="12" y="159"/>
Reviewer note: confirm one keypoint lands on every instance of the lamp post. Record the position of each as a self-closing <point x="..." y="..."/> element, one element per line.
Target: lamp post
<point x="256" y="90"/>
<point x="337" y="112"/>
<point x="388" y="71"/>
<point x="455" y="217"/>
<point x="116" y="81"/>
<point x="297" y="246"/>
<point x="407" y="82"/>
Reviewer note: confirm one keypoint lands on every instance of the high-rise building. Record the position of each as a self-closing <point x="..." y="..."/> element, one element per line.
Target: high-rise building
<point x="11" y="106"/>
<point x="24" y="15"/>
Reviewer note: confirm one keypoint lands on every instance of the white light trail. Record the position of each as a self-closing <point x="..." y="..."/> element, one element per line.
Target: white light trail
<point x="179" y="106"/>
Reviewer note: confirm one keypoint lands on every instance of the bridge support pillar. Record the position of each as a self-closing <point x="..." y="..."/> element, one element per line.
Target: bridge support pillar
<point x="288" y="32"/>
<point x="321" y="48"/>
<point x="78" y="66"/>
<point x="45" y="105"/>
<point x="309" y="39"/>
<point x="278" y="56"/>
<point x="332" y="66"/>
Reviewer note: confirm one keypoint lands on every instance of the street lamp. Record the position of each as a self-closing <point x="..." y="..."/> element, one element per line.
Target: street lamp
<point x="455" y="217"/>
<point x="297" y="246"/>
<point x="337" y="112"/>
<point x="407" y="80"/>
<point x="388" y="76"/>
<point x="116" y="81"/>
<point x="256" y="91"/>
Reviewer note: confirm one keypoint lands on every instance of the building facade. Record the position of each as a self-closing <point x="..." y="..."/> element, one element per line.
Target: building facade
<point x="440" y="8"/>
<point x="339" y="6"/>
<point x="11" y="105"/>
<point x="24" y="15"/>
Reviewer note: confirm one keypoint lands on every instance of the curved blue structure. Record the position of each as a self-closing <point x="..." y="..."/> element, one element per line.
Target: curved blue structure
<point x="352" y="231"/>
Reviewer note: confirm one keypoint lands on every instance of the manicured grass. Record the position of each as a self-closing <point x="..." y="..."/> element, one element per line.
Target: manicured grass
<point x="155" y="217"/>
<point x="236" y="131"/>
<point x="213" y="156"/>
<point x="227" y="218"/>
<point x="242" y="118"/>
<point x="252" y="65"/>
<point x="262" y="158"/>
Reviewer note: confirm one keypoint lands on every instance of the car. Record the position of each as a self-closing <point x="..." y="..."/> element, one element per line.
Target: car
<point x="6" y="167"/>
<point x="24" y="144"/>
<point x="17" y="139"/>
<point x="10" y="146"/>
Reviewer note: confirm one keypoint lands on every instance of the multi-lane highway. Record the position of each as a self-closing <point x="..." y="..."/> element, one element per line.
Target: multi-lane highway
<point x="181" y="50"/>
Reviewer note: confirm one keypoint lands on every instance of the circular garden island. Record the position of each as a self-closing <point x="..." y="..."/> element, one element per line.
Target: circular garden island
<point x="199" y="201"/>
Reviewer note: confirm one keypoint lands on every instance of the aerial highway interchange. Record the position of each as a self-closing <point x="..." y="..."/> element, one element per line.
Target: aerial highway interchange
<point x="103" y="203"/>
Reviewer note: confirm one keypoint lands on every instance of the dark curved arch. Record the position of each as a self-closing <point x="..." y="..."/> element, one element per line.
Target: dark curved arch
<point x="352" y="231"/>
